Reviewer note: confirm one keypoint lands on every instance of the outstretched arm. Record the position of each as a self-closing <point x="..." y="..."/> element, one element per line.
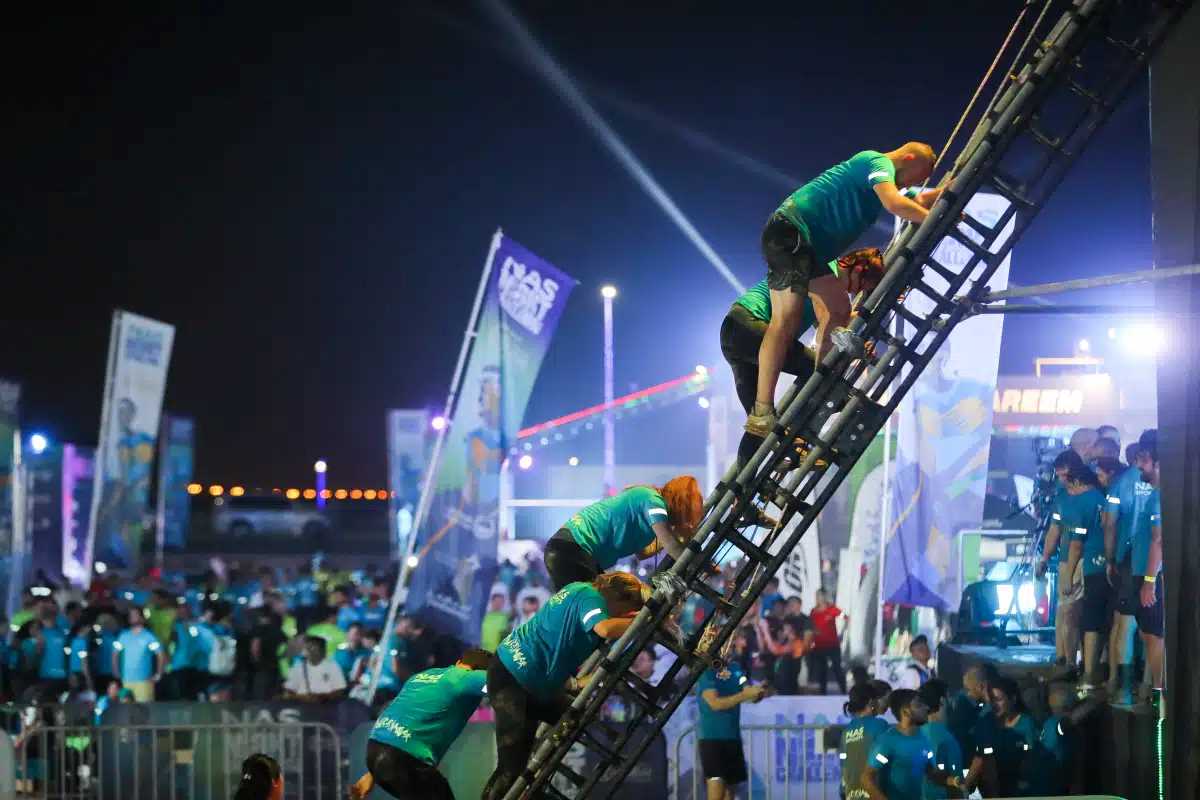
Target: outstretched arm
<point x="612" y="628"/>
<point x="667" y="541"/>
<point x="899" y="205"/>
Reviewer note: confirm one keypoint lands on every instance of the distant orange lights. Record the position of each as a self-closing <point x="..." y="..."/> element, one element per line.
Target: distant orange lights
<point x="326" y="494"/>
<point x="292" y="494"/>
<point x="356" y="494"/>
<point x="369" y="494"/>
<point x="216" y="490"/>
<point x="237" y="491"/>
<point x="194" y="488"/>
<point x="310" y="494"/>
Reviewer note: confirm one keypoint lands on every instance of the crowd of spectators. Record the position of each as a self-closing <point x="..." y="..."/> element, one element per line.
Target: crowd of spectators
<point x="256" y="635"/>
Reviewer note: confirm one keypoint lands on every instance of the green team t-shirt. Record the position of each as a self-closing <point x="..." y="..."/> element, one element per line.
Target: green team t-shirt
<point x="431" y="711"/>
<point x="757" y="300"/>
<point x="900" y="761"/>
<point x="837" y="206"/>
<point x="722" y="725"/>
<point x="1143" y="534"/>
<point x="542" y="653"/>
<point x="858" y="738"/>
<point x="947" y="756"/>
<point x="1126" y="497"/>
<point x="618" y="526"/>
<point x="1078" y="516"/>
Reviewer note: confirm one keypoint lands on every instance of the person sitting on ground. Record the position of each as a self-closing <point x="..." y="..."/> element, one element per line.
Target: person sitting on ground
<point x="262" y="779"/>
<point x="815" y="224"/>
<point x="1004" y="740"/>
<point x="316" y="679"/>
<point x="947" y="755"/>
<point x="641" y="521"/>
<point x="902" y="759"/>
<point x="858" y="737"/>
<point x="527" y="680"/>
<point x="413" y="733"/>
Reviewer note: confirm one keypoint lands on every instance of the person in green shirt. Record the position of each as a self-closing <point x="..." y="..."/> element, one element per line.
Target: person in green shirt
<point x="527" y="680"/>
<point x="902" y="759"/>
<point x="497" y="622"/>
<point x="815" y="224"/>
<point x="640" y="521"/>
<point x="745" y="325"/>
<point x="328" y="629"/>
<point x="413" y="733"/>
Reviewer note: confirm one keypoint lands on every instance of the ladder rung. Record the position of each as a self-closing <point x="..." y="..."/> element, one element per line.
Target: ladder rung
<point x="1086" y="93"/>
<point x="589" y="740"/>
<point x="749" y="548"/>
<point x="1047" y="141"/>
<point x="711" y="595"/>
<point x="1126" y="48"/>
<point x="977" y="226"/>
<point x="1006" y="188"/>
<point x="966" y="241"/>
<point x="946" y="274"/>
<point x="909" y="316"/>
<point x="570" y="774"/>
<point x="933" y="294"/>
<point x="646" y="703"/>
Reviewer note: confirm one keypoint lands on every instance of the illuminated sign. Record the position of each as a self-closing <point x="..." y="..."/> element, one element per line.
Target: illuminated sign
<point x="1024" y="400"/>
<point x="1037" y="401"/>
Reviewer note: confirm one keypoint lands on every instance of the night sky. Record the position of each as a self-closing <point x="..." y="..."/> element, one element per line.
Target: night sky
<point x="309" y="197"/>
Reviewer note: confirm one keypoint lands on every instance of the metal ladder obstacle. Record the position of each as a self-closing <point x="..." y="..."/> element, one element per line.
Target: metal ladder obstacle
<point x="1021" y="149"/>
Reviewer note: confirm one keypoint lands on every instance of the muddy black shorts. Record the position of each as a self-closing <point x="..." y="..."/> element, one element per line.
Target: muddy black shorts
<point x="791" y="261"/>
<point x="1096" y="614"/>
<point x="724" y="759"/>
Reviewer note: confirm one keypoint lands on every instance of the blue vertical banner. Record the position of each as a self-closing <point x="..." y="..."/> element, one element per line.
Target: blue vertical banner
<point x="175" y="463"/>
<point x="139" y="351"/>
<point x="457" y="543"/>
<point x="10" y="403"/>
<point x="78" y="471"/>
<point x="943" y="440"/>
<point x="407" y="432"/>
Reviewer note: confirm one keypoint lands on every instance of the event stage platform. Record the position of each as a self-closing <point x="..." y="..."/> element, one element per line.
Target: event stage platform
<point x="1016" y="661"/>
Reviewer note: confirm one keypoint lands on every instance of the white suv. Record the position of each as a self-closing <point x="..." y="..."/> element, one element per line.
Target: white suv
<point x="245" y="516"/>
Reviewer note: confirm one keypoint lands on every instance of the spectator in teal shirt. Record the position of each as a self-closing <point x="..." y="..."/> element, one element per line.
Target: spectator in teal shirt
<point x="1080" y="518"/>
<point x="348" y="652"/>
<point x="1004" y="741"/>
<point x="902" y="759"/>
<point x="1057" y="746"/>
<point x="527" y="680"/>
<point x="947" y="756"/>
<point x="1065" y="509"/>
<point x="858" y="737"/>
<point x="721" y="694"/>
<point x="640" y="521"/>
<point x="413" y="733"/>
<point x="1146" y="563"/>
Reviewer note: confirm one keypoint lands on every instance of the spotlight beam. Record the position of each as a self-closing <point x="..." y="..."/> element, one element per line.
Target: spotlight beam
<point x="549" y="69"/>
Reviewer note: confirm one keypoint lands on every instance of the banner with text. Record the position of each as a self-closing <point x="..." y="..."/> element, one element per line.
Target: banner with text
<point x="78" y="472"/>
<point x="10" y="402"/>
<point x="138" y="354"/>
<point x="407" y="431"/>
<point x="457" y="542"/>
<point x="944" y="435"/>
<point x="175" y="462"/>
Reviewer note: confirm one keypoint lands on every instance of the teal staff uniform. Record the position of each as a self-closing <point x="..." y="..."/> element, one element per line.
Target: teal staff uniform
<point x="431" y="711"/>
<point x="618" y="526"/>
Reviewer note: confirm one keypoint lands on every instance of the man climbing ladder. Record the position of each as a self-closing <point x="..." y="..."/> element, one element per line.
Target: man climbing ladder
<point x="813" y="226"/>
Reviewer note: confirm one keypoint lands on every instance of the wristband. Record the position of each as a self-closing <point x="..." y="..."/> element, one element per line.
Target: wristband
<point x="1150" y="578"/>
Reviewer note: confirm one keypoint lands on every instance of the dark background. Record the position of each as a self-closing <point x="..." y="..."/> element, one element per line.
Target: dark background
<point x="309" y="196"/>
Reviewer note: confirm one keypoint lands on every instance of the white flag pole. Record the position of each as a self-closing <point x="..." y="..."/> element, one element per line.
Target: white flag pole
<point x="400" y="592"/>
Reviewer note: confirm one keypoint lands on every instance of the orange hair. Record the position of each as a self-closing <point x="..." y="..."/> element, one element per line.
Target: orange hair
<point x="685" y="505"/>
<point x="867" y="262"/>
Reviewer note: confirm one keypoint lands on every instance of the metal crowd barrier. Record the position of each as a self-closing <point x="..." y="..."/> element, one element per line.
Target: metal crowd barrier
<point x="784" y="762"/>
<point x="165" y="762"/>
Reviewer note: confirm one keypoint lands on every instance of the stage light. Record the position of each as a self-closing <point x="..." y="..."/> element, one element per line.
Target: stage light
<point x="438" y="422"/>
<point x="340" y="494"/>
<point x="356" y="494"/>
<point x="383" y="494"/>
<point x="237" y="491"/>
<point x="1085" y="346"/>
<point x="573" y="461"/>
<point x="1112" y="333"/>
<point x="216" y="490"/>
<point x="525" y="461"/>
<point x="326" y="494"/>
<point x="194" y="488"/>
<point x="38" y="443"/>
<point x="310" y="494"/>
<point x="292" y="494"/>
<point x="320" y="466"/>
<point x="608" y="291"/>
<point x="1026" y="598"/>
<point x="702" y="402"/>
<point x="1144" y="340"/>
<point x="412" y="562"/>
<point x="369" y="494"/>
<point x="100" y="567"/>
<point x="701" y="370"/>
